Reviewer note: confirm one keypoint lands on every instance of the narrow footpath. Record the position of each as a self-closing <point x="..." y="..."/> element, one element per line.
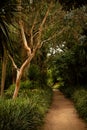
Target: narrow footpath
<point x="62" y="115"/>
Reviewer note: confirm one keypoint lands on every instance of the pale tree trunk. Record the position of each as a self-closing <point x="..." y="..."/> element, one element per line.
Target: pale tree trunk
<point x="19" y="75"/>
<point x="20" y="72"/>
<point x="3" y="77"/>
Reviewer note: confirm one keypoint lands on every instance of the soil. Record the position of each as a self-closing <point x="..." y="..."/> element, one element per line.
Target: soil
<point x="62" y="115"/>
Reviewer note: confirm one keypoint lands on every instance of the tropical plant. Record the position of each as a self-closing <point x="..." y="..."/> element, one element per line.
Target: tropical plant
<point x="6" y="14"/>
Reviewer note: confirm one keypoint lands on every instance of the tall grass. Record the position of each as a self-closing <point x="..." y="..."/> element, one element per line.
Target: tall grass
<point x="27" y="111"/>
<point x="80" y="99"/>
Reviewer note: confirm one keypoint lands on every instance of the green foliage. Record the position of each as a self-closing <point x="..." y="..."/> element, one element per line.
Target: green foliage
<point x="72" y="4"/>
<point x="70" y="62"/>
<point x="56" y="86"/>
<point x="34" y="72"/>
<point x="50" y="78"/>
<point x="10" y="91"/>
<point x="7" y="13"/>
<point x="25" y="87"/>
<point x="64" y="67"/>
<point x="67" y="90"/>
<point x="80" y="100"/>
<point x="37" y="72"/>
<point x="71" y="65"/>
<point x="8" y="80"/>
<point x="25" y="113"/>
<point x="19" y="114"/>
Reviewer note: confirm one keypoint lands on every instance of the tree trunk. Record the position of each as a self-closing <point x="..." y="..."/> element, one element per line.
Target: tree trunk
<point x="3" y="77"/>
<point x="13" y="75"/>
<point x="20" y="73"/>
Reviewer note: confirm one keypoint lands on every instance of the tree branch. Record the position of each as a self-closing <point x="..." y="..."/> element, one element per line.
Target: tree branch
<point x="24" y="39"/>
<point x="32" y="28"/>
<point x="14" y="65"/>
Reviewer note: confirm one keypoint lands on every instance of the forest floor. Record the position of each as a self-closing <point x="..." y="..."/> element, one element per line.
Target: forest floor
<point x="62" y="115"/>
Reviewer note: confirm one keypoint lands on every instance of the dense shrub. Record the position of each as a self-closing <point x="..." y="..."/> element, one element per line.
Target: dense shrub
<point x="34" y="72"/>
<point x="38" y="74"/>
<point x="19" y="114"/>
<point x="68" y="91"/>
<point x="80" y="100"/>
<point x="25" y="113"/>
<point x="25" y="87"/>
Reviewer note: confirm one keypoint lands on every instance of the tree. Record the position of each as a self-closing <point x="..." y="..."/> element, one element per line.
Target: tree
<point x="71" y="62"/>
<point x="5" y="19"/>
<point x="34" y="33"/>
<point x="31" y="47"/>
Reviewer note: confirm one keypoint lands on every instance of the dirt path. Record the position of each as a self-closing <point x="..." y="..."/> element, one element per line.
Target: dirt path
<point x="62" y="115"/>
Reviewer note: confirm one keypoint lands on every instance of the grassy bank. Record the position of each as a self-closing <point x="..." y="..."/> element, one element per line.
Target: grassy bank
<point x="27" y="111"/>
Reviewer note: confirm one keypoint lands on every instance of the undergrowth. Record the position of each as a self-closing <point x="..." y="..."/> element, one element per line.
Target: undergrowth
<point x="27" y="111"/>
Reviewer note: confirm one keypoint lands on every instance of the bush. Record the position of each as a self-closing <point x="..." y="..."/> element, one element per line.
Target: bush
<point x="25" y="113"/>
<point x="19" y="114"/>
<point x="25" y="87"/>
<point x="80" y="100"/>
<point x="68" y="91"/>
<point x="34" y="72"/>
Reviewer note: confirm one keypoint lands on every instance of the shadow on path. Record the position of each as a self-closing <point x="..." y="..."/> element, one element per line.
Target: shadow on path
<point x="62" y="115"/>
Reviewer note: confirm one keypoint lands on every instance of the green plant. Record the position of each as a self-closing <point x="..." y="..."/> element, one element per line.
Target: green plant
<point x="25" y="113"/>
<point x="25" y="87"/>
<point x="19" y="114"/>
<point x="80" y="100"/>
<point x="34" y="72"/>
<point x="67" y="90"/>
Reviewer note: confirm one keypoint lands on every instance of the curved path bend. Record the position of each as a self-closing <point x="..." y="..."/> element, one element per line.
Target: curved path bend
<point x="62" y="115"/>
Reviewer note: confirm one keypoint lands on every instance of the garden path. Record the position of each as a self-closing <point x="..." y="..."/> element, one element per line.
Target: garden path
<point x="62" y="115"/>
